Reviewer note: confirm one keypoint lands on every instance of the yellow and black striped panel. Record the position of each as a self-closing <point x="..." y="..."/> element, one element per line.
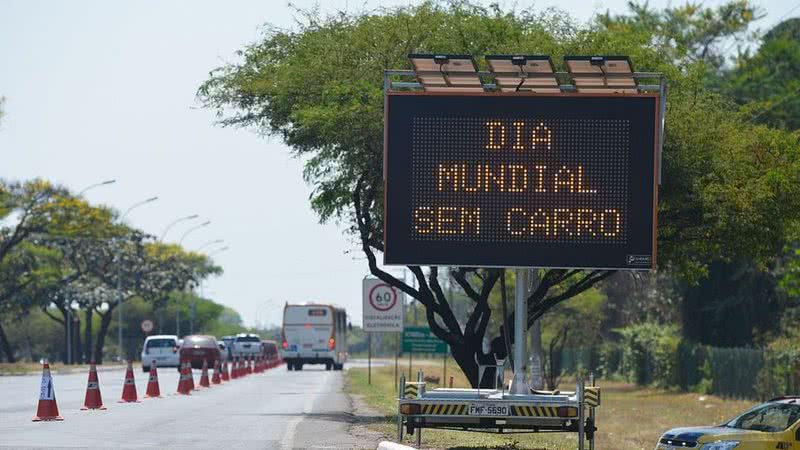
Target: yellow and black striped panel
<point x="535" y="411"/>
<point x="445" y="410"/>
<point x="411" y="390"/>
<point x="591" y="396"/>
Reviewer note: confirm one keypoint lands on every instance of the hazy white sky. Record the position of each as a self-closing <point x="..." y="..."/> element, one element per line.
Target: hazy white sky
<point x="101" y="90"/>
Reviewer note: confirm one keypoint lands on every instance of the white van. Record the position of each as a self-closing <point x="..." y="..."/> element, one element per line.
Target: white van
<point x="314" y="334"/>
<point x="161" y="348"/>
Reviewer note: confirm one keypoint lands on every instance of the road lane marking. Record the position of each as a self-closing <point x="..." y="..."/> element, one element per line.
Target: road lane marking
<point x="287" y="443"/>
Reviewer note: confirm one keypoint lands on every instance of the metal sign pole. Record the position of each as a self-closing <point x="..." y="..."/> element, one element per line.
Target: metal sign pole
<point x="519" y="385"/>
<point x="409" y="362"/>
<point x="369" y="358"/>
<point x="444" y="371"/>
<point x="396" y="357"/>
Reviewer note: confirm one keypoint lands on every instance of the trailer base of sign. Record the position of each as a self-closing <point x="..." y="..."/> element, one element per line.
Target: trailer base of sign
<point x="497" y="411"/>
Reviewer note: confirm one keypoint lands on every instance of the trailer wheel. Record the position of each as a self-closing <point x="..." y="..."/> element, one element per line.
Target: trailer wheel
<point x="410" y="427"/>
<point x="590" y="428"/>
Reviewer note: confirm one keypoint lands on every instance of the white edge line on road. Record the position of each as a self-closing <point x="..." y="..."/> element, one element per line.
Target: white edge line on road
<point x="287" y="443"/>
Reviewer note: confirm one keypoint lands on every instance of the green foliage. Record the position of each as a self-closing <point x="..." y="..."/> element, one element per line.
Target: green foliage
<point x="730" y="187"/>
<point x="767" y="83"/>
<point x="736" y="305"/>
<point x="688" y="32"/>
<point x="649" y="353"/>
<point x="780" y="374"/>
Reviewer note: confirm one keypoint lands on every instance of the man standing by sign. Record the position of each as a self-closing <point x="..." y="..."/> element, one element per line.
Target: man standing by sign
<point x="382" y="312"/>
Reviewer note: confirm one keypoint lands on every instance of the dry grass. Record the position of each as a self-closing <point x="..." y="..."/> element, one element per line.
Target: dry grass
<point x="629" y="418"/>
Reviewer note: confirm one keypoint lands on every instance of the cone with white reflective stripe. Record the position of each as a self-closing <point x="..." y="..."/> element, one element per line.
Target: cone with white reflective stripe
<point x="47" y="409"/>
<point x="129" y="387"/>
<point x="204" y="382"/>
<point x="184" y="388"/>
<point x="93" y="398"/>
<point x="153" y="389"/>
<point x="215" y="379"/>
<point x="225" y="376"/>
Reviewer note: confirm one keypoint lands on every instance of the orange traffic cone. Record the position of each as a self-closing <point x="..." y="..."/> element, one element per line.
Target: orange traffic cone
<point x="190" y="370"/>
<point x="129" y="387"/>
<point x="93" y="398"/>
<point x="47" y="409"/>
<point x="235" y="368"/>
<point x="153" y="390"/>
<point x="215" y="379"/>
<point x="204" y="377"/>
<point x="225" y="376"/>
<point x="184" y="388"/>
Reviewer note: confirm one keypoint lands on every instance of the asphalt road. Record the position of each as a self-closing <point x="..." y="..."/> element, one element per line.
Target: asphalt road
<point x="274" y="410"/>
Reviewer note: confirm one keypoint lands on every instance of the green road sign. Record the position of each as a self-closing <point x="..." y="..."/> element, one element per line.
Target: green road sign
<point x="422" y="340"/>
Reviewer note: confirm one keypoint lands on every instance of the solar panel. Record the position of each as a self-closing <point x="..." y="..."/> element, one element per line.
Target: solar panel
<point x="532" y="73"/>
<point x="446" y="73"/>
<point x="602" y="74"/>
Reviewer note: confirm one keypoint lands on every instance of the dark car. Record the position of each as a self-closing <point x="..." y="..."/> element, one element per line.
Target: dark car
<point x="197" y="348"/>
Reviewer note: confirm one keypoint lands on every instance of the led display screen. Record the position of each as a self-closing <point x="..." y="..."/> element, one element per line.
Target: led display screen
<point x="520" y="180"/>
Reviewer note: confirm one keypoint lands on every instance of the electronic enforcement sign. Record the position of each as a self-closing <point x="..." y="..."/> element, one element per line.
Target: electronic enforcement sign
<point x="516" y="180"/>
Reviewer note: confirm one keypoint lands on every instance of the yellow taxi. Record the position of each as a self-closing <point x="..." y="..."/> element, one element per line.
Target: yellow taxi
<point x="771" y="425"/>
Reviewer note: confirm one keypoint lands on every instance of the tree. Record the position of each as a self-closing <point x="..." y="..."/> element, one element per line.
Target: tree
<point x="767" y="83"/>
<point x="33" y="209"/>
<point x="689" y="33"/>
<point x="320" y="88"/>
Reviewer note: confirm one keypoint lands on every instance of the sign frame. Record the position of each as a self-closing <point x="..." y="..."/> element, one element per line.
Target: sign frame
<point x="368" y="286"/>
<point x="658" y="111"/>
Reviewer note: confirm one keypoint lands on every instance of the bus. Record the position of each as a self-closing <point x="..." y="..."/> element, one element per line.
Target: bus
<point x="314" y="334"/>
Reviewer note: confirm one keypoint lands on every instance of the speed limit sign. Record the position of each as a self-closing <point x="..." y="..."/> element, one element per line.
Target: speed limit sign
<point x="147" y="325"/>
<point x="383" y="306"/>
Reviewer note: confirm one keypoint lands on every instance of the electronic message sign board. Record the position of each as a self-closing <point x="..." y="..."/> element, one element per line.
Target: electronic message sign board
<point x="516" y="180"/>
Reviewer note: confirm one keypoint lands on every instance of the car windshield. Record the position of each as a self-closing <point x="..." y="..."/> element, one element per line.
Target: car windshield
<point x="248" y="339"/>
<point x="160" y="343"/>
<point x="770" y="417"/>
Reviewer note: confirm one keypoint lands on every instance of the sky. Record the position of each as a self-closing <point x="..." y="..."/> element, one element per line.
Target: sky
<point x="99" y="90"/>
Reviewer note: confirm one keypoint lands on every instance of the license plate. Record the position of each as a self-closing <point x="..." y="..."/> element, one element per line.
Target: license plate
<point x="308" y="345"/>
<point x="488" y="409"/>
<point x="199" y="353"/>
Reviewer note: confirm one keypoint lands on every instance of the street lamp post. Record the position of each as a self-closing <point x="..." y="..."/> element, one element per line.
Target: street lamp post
<point x="200" y="284"/>
<point x="180" y="242"/>
<point x="69" y="322"/>
<point x="209" y="243"/>
<point x="102" y="183"/>
<point x="175" y="222"/>
<point x="119" y="274"/>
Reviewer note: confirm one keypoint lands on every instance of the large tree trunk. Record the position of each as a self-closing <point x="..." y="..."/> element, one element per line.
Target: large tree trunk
<point x="87" y="336"/>
<point x="6" y="346"/>
<point x="105" y="323"/>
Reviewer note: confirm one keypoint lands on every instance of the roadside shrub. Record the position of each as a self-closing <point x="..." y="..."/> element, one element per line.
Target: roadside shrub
<point x="649" y="354"/>
<point x="780" y="373"/>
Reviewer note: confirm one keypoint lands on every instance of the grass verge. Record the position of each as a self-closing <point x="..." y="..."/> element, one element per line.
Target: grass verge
<point x="630" y="417"/>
